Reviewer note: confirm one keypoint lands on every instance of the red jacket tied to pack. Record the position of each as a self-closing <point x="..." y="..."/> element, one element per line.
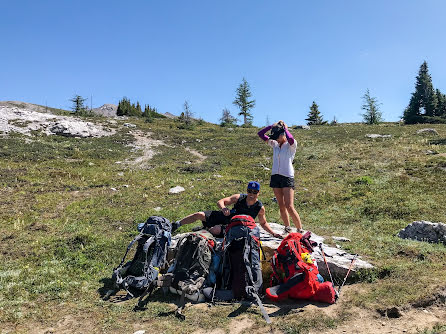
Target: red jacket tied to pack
<point x="293" y="277"/>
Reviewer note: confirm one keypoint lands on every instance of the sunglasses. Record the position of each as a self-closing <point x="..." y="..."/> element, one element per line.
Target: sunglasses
<point x="251" y="191"/>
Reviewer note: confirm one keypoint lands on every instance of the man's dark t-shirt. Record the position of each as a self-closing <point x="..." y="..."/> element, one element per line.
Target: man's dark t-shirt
<point x="240" y="208"/>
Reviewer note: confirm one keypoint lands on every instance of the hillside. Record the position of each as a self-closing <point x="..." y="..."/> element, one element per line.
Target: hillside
<point x="69" y="206"/>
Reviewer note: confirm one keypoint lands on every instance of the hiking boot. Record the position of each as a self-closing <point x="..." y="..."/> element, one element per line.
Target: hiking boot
<point x="176" y="225"/>
<point x="287" y="229"/>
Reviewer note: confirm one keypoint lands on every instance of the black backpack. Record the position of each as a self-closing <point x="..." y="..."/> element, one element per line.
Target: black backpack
<point x="137" y="275"/>
<point x="241" y="266"/>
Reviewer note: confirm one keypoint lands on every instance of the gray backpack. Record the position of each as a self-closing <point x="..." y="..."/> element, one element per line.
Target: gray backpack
<point x="137" y="275"/>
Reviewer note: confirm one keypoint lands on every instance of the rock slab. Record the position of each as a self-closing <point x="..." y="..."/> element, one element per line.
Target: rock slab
<point x="338" y="260"/>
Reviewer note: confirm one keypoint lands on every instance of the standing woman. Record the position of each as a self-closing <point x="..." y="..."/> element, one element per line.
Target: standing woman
<point x="282" y="174"/>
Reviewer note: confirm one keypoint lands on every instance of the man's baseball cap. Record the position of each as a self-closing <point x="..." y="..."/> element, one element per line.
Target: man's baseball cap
<point x="254" y="185"/>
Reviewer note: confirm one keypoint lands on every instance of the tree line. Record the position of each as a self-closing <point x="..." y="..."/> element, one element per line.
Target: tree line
<point x="426" y="105"/>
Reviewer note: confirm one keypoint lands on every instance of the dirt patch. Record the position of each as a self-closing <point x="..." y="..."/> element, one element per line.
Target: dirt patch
<point x="146" y="144"/>
<point x="200" y="156"/>
<point x="411" y="321"/>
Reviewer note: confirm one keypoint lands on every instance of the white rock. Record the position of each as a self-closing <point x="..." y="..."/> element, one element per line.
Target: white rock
<point x="176" y="190"/>
<point x="113" y="189"/>
<point x="341" y="239"/>
<point x="157" y="209"/>
<point x="129" y="125"/>
<point x="140" y="332"/>
<point x="374" y="135"/>
<point x="217" y="175"/>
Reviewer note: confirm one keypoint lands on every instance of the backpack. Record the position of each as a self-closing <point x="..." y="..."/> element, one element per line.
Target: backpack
<point x="192" y="265"/>
<point x="295" y="274"/>
<point x="241" y="270"/>
<point x="137" y="275"/>
<point x="241" y="267"/>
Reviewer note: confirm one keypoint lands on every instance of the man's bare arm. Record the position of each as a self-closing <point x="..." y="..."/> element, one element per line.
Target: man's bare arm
<point x="227" y="201"/>
<point x="265" y="225"/>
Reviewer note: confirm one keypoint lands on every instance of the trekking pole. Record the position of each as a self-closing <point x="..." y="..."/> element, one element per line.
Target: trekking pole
<point x="348" y="272"/>
<point x="326" y="264"/>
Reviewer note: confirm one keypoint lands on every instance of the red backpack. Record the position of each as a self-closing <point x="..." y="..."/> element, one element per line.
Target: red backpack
<point x="292" y="277"/>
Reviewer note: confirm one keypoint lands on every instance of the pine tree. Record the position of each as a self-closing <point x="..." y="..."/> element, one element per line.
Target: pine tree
<point x="186" y="117"/>
<point x="243" y="93"/>
<point x="423" y="101"/>
<point x="314" y="116"/>
<point x="441" y="106"/>
<point x="227" y="119"/>
<point x="371" y="114"/>
<point x="79" y="107"/>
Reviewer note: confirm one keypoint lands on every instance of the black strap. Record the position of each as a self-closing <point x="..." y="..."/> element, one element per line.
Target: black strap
<point x="179" y="312"/>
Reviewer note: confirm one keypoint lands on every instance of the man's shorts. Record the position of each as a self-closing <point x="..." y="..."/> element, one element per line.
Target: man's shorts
<point x="215" y="218"/>
<point x="280" y="181"/>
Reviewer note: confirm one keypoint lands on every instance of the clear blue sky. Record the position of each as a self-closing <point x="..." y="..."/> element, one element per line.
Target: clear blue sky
<point x="165" y="52"/>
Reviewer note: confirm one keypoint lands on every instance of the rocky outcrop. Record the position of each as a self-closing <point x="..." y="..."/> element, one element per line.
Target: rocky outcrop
<point x="21" y="118"/>
<point x="424" y="231"/>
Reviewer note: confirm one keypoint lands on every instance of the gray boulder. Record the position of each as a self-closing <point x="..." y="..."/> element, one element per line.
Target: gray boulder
<point x="428" y="131"/>
<point x="304" y="127"/>
<point x="424" y="231"/>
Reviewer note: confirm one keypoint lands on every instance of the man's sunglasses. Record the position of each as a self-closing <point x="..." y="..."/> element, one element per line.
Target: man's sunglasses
<point x="251" y="191"/>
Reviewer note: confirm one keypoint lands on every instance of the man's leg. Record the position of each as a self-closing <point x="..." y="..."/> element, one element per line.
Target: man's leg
<point x="193" y="218"/>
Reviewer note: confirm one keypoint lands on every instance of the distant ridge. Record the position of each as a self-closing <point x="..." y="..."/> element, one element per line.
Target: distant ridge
<point x="169" y="115"/>
<point x="107" y="110"/>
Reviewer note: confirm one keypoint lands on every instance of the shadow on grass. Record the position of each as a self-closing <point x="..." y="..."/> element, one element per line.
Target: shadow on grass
<point x="438" y="142"/>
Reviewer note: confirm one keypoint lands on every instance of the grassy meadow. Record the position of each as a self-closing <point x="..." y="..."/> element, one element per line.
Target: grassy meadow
<point x="63" y="228"/>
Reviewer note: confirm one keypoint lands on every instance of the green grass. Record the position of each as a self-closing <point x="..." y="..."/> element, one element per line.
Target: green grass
<point x="63" y="228"/>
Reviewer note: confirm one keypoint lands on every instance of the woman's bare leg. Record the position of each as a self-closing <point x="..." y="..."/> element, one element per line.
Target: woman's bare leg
<point x="283" y="211"/>
<point x="288" y="196"/>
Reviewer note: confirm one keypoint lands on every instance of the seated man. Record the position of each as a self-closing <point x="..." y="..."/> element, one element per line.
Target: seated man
<point x="244" y="204"/>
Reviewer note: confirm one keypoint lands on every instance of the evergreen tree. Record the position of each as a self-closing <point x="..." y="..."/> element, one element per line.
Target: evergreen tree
<point x="314" y="116"/>
<point x="79" y="107"/>
<point x="242" y="101"/>
<point x="424" y="100"/>
<point x="126" y="108"/>
<point x="186" y="117"/>
<point x="227" y="119"/>
<point x="371" y="114"/>
<point x="441" y="105"/>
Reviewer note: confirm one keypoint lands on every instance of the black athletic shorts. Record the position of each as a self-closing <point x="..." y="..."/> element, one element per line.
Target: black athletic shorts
<point x="215" y="218"/>
<point x="280" y="181"/>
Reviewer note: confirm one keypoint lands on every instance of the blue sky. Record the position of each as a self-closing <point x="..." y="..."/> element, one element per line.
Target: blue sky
<point x="165" y="52"/>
